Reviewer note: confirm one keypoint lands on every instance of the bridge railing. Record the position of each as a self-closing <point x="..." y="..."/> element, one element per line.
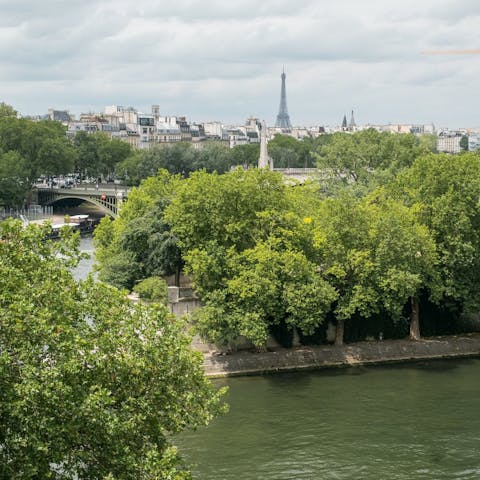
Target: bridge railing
<point x="31" y="213"/>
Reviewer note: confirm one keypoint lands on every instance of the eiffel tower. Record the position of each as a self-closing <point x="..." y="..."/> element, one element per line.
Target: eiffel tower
<point x="283" y="119"/>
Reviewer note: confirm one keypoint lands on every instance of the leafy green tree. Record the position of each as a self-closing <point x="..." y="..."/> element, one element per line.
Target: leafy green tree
<point x="267" y="285"/>
<point x="342" y="240"/>
<point x="213" y="157"/>
<point x="42" y="144"/>
<point x="223" y="209"/>
<point x="152" y="289"/>
<point x="139" y="243"/>
<point x="464" y="143"/>
<point x="365" y="159"/>
<point x="245" y="155"/>
<point x="111" y="152"/>
<point x="7" y="111"/>
<point x="92" y="386"/>
<point x="14" y="179"/>
<point x="406" y="260"/>
<point x="287" y="152"/>
<point x="87" y="158"/>
<point x="45" y="146"/>
<point x="248" y="250"/>
<point x="443" y="191"/>
<point x="178" y="158"/>
<point x="376" y="257"/>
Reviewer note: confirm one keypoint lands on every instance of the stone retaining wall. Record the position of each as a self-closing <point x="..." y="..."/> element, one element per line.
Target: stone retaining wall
<point x="361" y="353"/>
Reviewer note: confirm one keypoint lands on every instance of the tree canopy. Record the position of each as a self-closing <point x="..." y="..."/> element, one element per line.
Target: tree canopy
<point x="91" y="386"/>
<point x="366" y="159"/>
<point x="139" y="243"/>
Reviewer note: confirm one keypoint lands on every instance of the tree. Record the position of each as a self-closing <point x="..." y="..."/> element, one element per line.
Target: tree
<point x="43" y="145"/>
<point x="91" y="386"/>
<point x="14" y="179"/>
<point x="111" y="152"/>
<point x="87" y="158"/>
<point x="343" y="242"/>
<point x="248" y="250"/>
<point x="464" y="143"/>
<point x="270" y="284"/>
<point x="245" y="155"/>
<point x="7" y="111"/>
<point x="213" y="157"/>
<point x="443" y="191"/>
<point x="365" y="159"/>
<point x="139" y="243"/>
<point x="405" y="257"/>
<point x="178" y="158"/>
<point x="287" y="152"/>
<point x="376" y="256"/>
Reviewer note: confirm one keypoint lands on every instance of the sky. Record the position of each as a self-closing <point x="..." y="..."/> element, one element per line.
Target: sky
<point x="216" y="60"/>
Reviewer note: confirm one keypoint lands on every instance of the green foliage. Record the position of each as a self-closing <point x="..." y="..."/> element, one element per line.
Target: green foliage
<point x="139" y="243"/>
<point x="152" y="289"/>
<point x="246" y="248"/>
<point x="97" y="154"/>
<point x="178" y="158"/>
<point x="7" y="110"/>
<point x="365" y="159"/>
<point x="245" y="155"/>
<point x="287" y="152"/>
<point x="27" y="150"/>
<point x="91" y="386"/>
<point x="375" y="254"/>
<point x="14" y="179"/>
<point x="444" y="192"/>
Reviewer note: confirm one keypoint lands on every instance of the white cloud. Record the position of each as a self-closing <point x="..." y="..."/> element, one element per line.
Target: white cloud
<point x="223" y="60"/>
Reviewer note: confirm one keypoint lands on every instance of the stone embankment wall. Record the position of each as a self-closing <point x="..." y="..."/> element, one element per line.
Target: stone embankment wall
<point x="361" y="353"/>
<point x="182" y="300"/>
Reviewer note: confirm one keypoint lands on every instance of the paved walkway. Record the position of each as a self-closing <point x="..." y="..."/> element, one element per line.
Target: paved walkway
<point x="328" y="356"/>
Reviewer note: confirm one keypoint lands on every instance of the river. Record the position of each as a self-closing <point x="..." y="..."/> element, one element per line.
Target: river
<point x="415" y="421"/>
<point x="412" y="421"/>
<point x="85" y="266"/>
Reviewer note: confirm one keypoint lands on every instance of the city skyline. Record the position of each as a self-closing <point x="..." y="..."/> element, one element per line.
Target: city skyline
<point x="221" y="61"/>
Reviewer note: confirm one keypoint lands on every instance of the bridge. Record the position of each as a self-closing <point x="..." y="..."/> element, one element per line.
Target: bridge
<point x="108" y="197"/>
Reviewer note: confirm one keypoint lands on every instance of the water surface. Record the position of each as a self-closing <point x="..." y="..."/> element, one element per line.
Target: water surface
<point x="416" y="421"/>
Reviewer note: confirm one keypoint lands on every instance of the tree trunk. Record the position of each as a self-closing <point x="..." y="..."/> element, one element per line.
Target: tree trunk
<point x="414" y="319"/>
<point x="177" y="277"/>
<point x="339" y="332"/>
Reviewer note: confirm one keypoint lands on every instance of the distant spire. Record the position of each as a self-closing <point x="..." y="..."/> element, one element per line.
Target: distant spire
<point x="283" y="119"/>
<point x="344" y="122"/>
<point x="352" y="123"/>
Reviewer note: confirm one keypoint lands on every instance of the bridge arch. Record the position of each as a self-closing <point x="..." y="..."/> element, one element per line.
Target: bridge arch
<point x="108" y="201"/>
<point x="105" y="209"/>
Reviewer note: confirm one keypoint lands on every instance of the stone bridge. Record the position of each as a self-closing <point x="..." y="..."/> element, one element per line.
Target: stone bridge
<point x="108" y="198"/>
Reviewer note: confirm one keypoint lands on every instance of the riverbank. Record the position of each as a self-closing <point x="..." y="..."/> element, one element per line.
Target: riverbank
<point x="329" y="356"/>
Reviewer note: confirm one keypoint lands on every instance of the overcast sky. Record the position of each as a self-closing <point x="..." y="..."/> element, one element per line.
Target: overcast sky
<point x="222" y="60"/>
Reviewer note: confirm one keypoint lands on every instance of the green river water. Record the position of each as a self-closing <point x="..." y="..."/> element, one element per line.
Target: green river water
<point x="414" y="421"/>
<point x="411" y="421"/>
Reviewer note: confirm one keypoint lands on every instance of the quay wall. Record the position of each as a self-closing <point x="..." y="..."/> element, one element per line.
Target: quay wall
<point x="329" y="356"/>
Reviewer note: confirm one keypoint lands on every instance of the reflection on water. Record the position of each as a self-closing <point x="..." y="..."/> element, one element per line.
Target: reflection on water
<point x="407" y="422"/>
<point x="86" y="265"/>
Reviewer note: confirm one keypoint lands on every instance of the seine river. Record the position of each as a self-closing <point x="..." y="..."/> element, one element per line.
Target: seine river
<point x="415" y="421"/>
<point x="85" y="266"/>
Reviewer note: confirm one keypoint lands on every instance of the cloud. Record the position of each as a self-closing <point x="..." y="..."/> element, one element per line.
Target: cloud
<point x="222" y="60"/>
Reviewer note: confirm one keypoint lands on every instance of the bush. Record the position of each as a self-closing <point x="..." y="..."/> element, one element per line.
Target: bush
<point x="152" y="289"/>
